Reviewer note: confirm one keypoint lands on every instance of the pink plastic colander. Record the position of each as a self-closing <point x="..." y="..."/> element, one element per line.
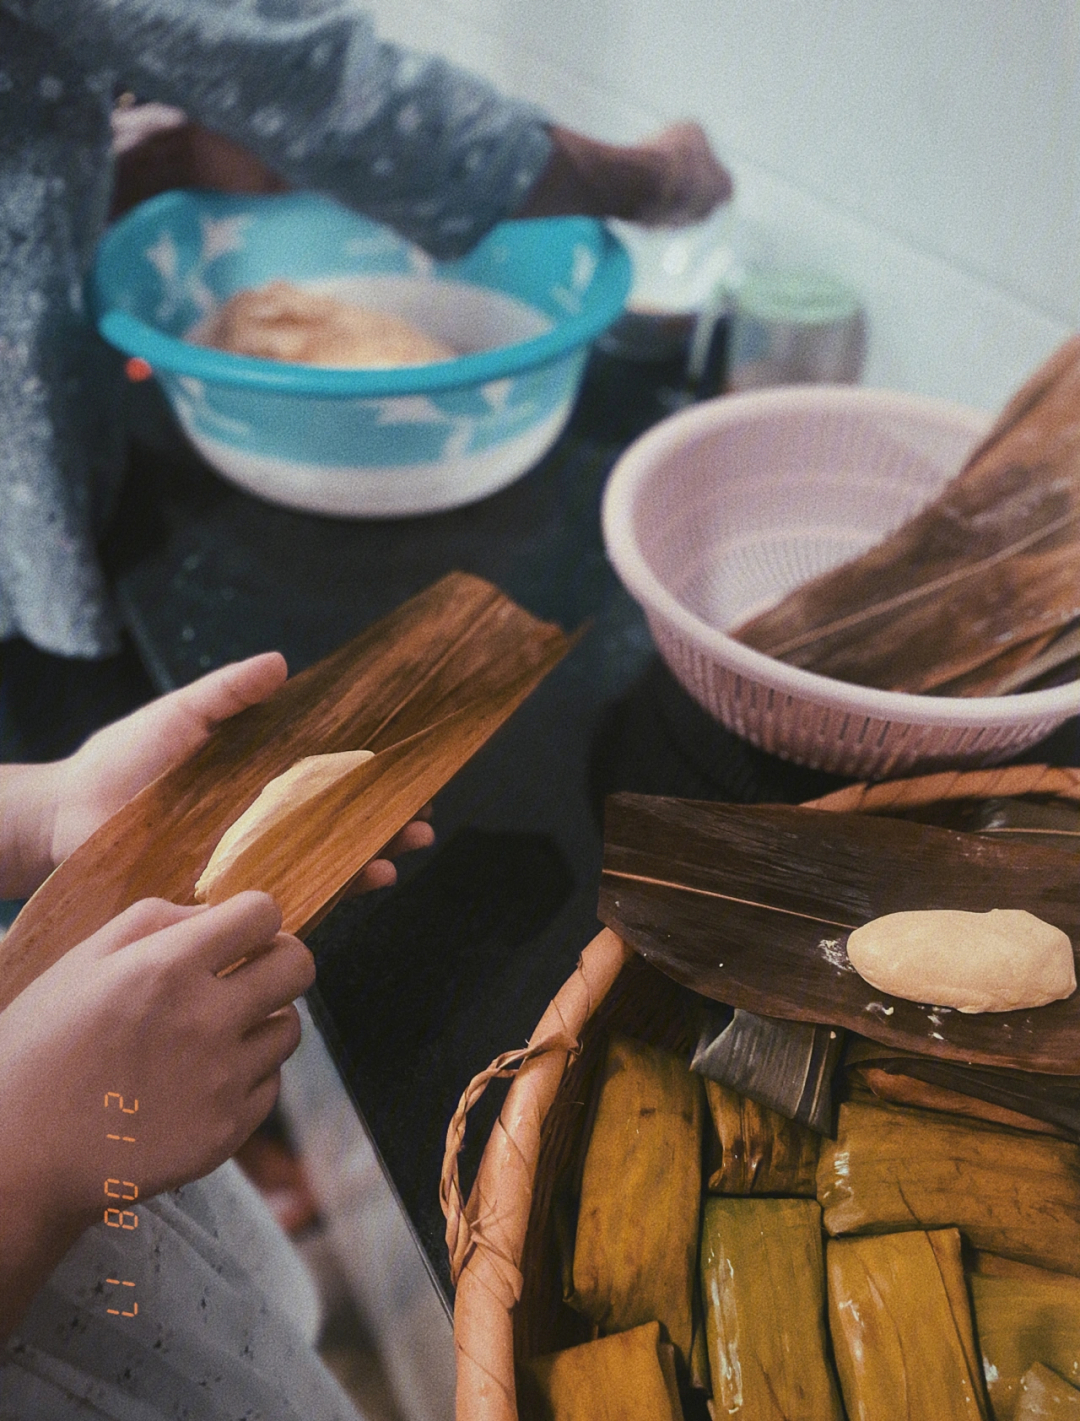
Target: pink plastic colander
<point x="719" y="511"/>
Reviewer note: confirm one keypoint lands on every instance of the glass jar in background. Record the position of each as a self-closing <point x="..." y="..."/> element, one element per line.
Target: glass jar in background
<point x="794" y="326"/>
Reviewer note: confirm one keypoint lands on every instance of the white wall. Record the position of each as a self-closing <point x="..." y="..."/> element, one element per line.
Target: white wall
<point x="927" y="150"/>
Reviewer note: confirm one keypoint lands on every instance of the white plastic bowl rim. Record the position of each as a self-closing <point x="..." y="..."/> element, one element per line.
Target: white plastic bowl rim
<point x="637" y="466"/>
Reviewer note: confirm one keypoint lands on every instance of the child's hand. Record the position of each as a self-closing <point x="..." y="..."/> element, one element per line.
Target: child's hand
<point x="139" y="1010"/>
<point x="134" y="1035"/>
<point x="115" y="763"/>
<point x="120" y="760"/>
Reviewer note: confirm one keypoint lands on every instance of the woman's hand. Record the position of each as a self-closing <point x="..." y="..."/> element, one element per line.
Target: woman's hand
<point x="133" y="1065"/>
<point x="670" y="180"/>
<point x="182" y="155"/>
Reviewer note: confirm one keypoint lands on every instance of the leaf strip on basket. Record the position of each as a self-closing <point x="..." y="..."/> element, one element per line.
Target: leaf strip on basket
<point x="423" y="688"/>
<point x="787" y="1066"/>
<point x="772" y="871"/>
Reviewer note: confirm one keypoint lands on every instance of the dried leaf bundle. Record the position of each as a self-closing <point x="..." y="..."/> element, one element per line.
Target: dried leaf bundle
<point x="423" y="688"/>
<point x="763" y="1286"/>
<point x="635" y="1248"/>
<point x="756" y="1150"/>
<point x="901" y="1328"/>
<point x="1008" y="1191"/>
<point x="988" y="565"/>
<point x="1024" y="1316"/>
<point x="629" y="1376"/>
<point x="1045" y="1397"/>
<point x="751" y="904"/>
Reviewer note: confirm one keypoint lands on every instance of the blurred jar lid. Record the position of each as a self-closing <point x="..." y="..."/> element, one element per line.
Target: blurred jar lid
<point x="795" y="296"/>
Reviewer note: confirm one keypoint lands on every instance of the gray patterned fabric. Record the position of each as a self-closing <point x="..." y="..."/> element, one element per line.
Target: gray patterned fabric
<point x="308" y="87"/>
<point x="218" y="1325"/>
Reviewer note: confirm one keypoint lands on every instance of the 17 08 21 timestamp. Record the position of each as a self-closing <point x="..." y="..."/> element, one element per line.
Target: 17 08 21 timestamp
<point x="125" y="1191"/>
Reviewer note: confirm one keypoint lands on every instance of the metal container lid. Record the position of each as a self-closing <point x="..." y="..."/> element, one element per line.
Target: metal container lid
<point x="795" y="296"/>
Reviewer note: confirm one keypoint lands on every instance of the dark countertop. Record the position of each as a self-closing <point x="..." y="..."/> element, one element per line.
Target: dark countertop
<point x="420" y="986"/>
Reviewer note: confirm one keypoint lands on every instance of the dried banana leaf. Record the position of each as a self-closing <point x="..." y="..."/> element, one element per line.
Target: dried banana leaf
<point x="1054" y="823"/>
<point x="755" y="1150"/>
<point x="1061" y="651"/>
<point x="1023" y="1317"/>
<point x="635" y="1248"/>
<point x="896" y="1089"/>
<point x="991" y="562"/>
<point x="900" y="1323"/>
<point x="423" y="688"/>
<point x="989" y="678"/>
<point x="629" y="1376"/>
<point x="1052" y="1100"/>
<point x="787" y="1066"/>
<point x="763" y="1286"/>
<point x="1045" y="1397"/>
<point x="1008" y="1191"/>
<point x="751" y="905"/>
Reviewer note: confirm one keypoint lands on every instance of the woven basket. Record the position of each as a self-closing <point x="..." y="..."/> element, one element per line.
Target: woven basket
<point x="503" y="1256"/>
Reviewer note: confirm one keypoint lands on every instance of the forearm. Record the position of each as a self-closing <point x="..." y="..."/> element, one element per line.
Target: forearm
<point x="27" y="802"/>
<point x="31" y="1248"/>
<point x="596" y="179"/>
<point x="670" y="179"/>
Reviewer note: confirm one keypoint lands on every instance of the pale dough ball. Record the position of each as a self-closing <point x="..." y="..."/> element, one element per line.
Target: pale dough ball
<point x="280" y="321"/>
<point x="300" y="782"/>
<point x="1003" y="960"/>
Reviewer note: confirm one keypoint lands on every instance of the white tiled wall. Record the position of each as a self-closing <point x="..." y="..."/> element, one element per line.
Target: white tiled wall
<point x="928" y="150"/>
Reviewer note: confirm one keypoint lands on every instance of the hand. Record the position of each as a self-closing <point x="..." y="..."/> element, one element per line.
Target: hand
<point x="117" y="762"/>
<point x="187" y="155"/>
<point x="692" y="182"/>
<point x="137" y="1011"/>
<point x="669" y="180"/>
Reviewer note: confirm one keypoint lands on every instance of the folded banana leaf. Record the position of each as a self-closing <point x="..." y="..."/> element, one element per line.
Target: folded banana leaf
<point x="1024" y="1316"/>
<point x="786" y="1066"/>
<point x="1045" y="1397"/>
<point x="423" y="688"/>
<point x="1008" y="1191"/>
<point x="900" y="1324"/>
<point x="752" y="904"/>
<point x="755" y="1150"/>
<point x="989" y="564"/>
<point x="763" y="1286"/>
<point x="635" y="1248"/>
<point x="629" y="1376"/>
